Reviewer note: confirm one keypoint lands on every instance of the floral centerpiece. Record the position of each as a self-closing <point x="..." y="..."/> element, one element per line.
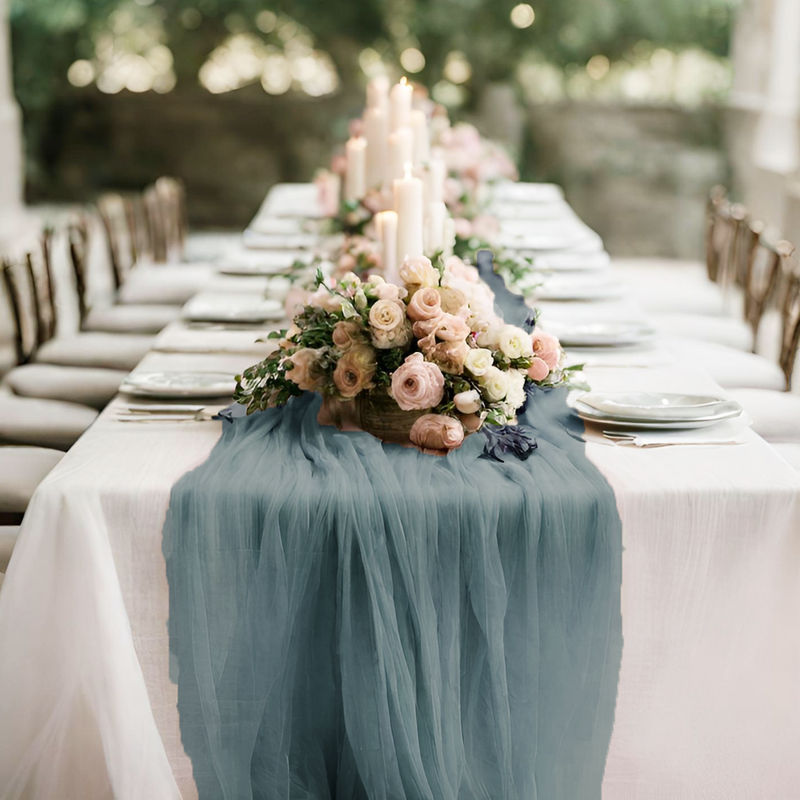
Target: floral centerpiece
<point x="426" y="362"/>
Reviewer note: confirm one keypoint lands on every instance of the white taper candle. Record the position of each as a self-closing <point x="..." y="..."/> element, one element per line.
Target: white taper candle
<point x="355" y="183"/>
<point x="408" y="205"/>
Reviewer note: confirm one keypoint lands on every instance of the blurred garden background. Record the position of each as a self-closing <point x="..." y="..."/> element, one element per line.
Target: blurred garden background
<point x="622" y="102"/>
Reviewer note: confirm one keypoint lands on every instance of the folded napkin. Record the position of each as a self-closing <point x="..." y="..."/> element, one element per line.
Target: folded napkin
<point x="729" y="431"/>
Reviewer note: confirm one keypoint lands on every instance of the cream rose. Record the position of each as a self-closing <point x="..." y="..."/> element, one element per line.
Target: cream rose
<point x="346" y="334"/>
<point x="388" y="291"/>
<point x="437" y="432"/>
<point x="425" y="304"/>
<point x="303" y="369"/>
<point x="514" y="342"/>
<point x="398" y="337"/>
<point x="490" y="337"/>
<point x="494" y="384"/>
<point x="355" y="371"/>
<point x="515" y="396"/>
<point x="467" y="402"/>
<point x="419" y="273"/>
<point x="417" y="384"/>
<point x="478" y="361"/>
<point x="386" y="315"/>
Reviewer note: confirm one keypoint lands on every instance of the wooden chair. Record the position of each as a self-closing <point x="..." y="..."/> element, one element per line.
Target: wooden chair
<point x="790" y="338"/>
<point x="762" y="272"/>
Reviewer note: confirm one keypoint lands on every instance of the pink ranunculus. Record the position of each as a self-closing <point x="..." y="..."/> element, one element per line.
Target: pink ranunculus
<point x="417" y="384"/>
<point x="304" y="369"/>
<point x="546" y="347"/>
<point x="538" y="370"/>
<point x="437" y="432"/>
<point x="425" y="304"/>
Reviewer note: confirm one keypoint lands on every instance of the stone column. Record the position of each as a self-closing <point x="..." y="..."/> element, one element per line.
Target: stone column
<point x="11" y="169"/>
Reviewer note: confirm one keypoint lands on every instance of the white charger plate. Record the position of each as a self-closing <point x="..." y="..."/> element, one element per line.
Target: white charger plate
<point x="658" y="406"/>
<point x="178" y="385"/>
<point x="261" y="262"/>
<point x="602" y="334"/>
<point x="574" y="290"/>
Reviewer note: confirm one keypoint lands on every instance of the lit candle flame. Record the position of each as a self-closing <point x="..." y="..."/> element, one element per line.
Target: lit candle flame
<point x="404" y="81"/>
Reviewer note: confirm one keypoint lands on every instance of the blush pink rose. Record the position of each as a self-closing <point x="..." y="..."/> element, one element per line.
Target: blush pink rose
<point x="546" y="347"/>
<point x="425" y="304"/>
<point x="437" y="432"/>
<point x="538" y="369"/>
<point x="303" y="370"/>
<point x="347" y="333"/>
<point x="452" y="328"/>
<point x="417" y="384"/>
<point x="354" y="371"/>
<point x="463" y="227"/>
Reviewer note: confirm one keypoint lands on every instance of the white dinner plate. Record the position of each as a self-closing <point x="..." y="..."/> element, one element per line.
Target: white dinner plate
<point x="602" y="334"/>
<point x="207" y="307"/>
<point x="518" y="192"/>
<point x="658" y="406"/>
<point x="566" y="291"/>
<point x="178" y="385"/>
<point x="590" y="414"/>
<point x="280" y="241"/>
<point x="261" y="262"/>
<point x="572" y="262"/>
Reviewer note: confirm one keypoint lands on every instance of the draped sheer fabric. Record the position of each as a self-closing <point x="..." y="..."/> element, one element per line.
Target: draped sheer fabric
<point x="352" y="620"/>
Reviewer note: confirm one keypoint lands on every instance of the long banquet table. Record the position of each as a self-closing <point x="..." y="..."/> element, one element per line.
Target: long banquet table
<point x="708" y="699"/>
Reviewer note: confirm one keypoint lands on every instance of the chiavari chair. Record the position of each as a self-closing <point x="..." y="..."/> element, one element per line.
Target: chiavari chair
<point x="761" y="275"/>
<point x="790" y="336"/>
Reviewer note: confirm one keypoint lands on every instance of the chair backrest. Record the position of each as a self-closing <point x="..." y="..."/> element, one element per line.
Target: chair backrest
<point x="165" y="205"/>
<point x="19" y="283"/>
<point x="790" y="340"/>
<point x="121" y="218"/>
<point x="715" y="230"/>
<point x="761" y="275"/>
<point x="78" y="238"/>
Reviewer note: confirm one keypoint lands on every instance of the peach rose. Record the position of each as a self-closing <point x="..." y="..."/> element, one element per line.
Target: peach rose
<point x="355" y="371"/>
<point x="449" y="356"/>
<point x="437" y="432"/>
<point x="346" y="334"/>
<point x="386" y="315"/>
<point x="417" y="384"/>
<point x="388" y="291"/>
<point x="546" y="347"/>
<point x="303" y="369"/>
<point x="538" y="370"/>
<point x="425" y="304"/>
<point x="418" y="273"/>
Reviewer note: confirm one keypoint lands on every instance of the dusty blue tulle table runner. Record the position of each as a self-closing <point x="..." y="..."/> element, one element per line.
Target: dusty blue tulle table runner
<point x="353" y="620"/>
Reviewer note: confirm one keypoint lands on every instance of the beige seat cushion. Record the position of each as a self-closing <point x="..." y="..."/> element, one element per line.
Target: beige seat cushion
<point x="8" y="538"/>
<point x="22" y="469"/>
<point x="43" y="423"/>
<point x="100" y="350"/>
<point x="731" y="369"/>
<point x="721" y="330"/>
<point x="776" y="415"/>
<point x="89" y="387"/>
<point x="171" y="284"/>
<point x="789" y="452"/>
<point x="670" y="286"/>
<point x="131" y="319"/>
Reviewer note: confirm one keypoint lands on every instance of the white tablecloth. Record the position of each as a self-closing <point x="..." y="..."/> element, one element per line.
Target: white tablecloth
<point x="709" y="696"/>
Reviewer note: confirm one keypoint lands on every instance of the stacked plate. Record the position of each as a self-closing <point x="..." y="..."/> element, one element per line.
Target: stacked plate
<point x="654" y="410"/>
<point x="178" y="385"/>
<point x="602" y="334"/>
<point x="241" y="308"/>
